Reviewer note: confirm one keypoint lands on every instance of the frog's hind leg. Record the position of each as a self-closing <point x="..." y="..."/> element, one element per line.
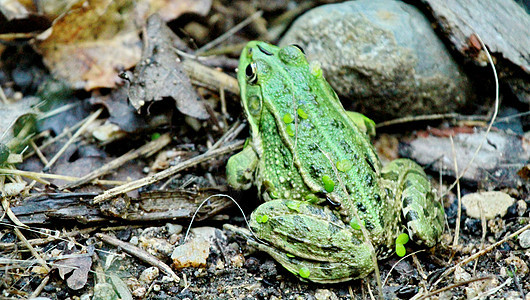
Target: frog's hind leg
<point x="311" y="241"/>
<point x="424" y="216"/>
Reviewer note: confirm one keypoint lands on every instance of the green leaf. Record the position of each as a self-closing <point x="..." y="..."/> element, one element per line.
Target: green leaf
<point x="155" y="136"/>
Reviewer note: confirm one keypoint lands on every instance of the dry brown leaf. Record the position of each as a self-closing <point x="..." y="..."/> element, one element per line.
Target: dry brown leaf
<point x="160" y="74"/>
<point x="79" y="267"/>
<point x="91" y="43"/>
<point x="13" y="9"/>
<point x="170" y="9"/>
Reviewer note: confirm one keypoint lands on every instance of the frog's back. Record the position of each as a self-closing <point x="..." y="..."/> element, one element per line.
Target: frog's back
<point x="334" y="158"/>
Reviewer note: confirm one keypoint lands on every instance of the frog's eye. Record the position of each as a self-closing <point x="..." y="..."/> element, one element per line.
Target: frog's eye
<point x="250" y="73"/>
<point x="299" y="48"/>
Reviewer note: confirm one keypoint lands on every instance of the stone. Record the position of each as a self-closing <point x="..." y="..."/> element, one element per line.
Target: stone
<point x="489" y="204"/>
<point x="383" y="55"/>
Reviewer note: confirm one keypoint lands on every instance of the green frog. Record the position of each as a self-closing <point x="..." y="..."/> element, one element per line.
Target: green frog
<point x="330" y="206"/>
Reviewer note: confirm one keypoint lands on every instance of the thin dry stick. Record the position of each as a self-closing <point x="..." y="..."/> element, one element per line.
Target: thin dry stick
<point x="57" y="111"/>
<point x="41" y="286"/>
<point x="72" y="139"/>
<point x="56" y="138"/>
<point x="459" y="198"/>
<point x="37" y="176"/>
<point x="210" y="77"/>
<point x="34" y="252"/>
<point x="493" y="290"/>
<point x="495" y="112"/>
<point x="230" y="32"/>
<point x="147" y="149"/>
<point x="483" y="236"/>
<point x="10" y="214"/>
<point x="397" y="262"/>
<point x="167" y="173"/>
<point x="50" y="238"/>
<point x="417" y="118"/>
<point x="138" y="253"/>
<point x="41" y="156"/>
<point x="452" y="286"/>
<point x="3" y="97"/>
<point x="482" y="252"/>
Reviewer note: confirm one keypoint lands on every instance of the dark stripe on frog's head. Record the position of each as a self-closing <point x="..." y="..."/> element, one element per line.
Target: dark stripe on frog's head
<point x="264" y="51"/>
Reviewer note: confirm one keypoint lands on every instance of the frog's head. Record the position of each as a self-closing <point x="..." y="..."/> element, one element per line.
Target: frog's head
<point x="261" y="66"/>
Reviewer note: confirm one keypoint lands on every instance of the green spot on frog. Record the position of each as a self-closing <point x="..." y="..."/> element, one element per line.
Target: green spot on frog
<point x="294" y="205"/>
<point x="355" y="225"/>
<point x="400" y="250"/>
<point x="402" y="239"/>
<point x="290" y="129"/>
<point x="302" y="113"/>
<point x="315" y="68"/>
<point x="288" y="118"/>
<point x="329" y="185"/>
<point x="344" y="165"/>
<point x="262" y="219"/>
<point x="311" y="198"/>
<point x="304" y="272"/>
<point x="254" y="105"/>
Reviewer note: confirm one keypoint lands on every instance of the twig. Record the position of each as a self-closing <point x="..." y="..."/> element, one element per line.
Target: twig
<point x="210" y="77"/>
<point x="138" y="253"/>
<point x="3" y="97"/>
<point x="230" y="32"/>
<point x="493" y="290"/>
<point x="167" y="173"/>
<point x="9" y="212"/>
<point x="34" y="252"/>
<point x="459" y="198"/>
<point x="397" y="262"/>
<point x="482" y="252"/>
<point x="490" y="125"/>
<point x="72" y="139"/>
<point x="452" y="286"/>
<point x="41" y="286"/>
<point x="147" y="149"/>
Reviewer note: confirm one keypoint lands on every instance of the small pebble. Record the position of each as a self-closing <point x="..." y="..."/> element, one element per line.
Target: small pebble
<point x="489" y="204"/>
<point x="524" y="239"/>
<point x="148" y="275"/>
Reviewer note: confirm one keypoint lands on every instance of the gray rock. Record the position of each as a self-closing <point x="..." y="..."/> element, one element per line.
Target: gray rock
<point x="487" y="204"/>
<point x="382" y="54"/>
<point x="524" y="239"/>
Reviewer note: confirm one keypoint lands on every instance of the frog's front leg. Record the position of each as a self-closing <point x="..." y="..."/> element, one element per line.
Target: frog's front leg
<point x="424" y="216"/>
<point x="364" y="123"/>
<point x="311" y="241"/>
<point x="240" y="168"/>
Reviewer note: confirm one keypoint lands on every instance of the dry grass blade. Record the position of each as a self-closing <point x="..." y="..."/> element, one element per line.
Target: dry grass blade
<point x="139" y="253"/>
<point x="168" y="172"/>
<point x="92" y="118"/>
<point x="147" y="149"/>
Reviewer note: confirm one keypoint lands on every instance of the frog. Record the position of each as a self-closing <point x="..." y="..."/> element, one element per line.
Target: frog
<point x="331" y="209"/>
